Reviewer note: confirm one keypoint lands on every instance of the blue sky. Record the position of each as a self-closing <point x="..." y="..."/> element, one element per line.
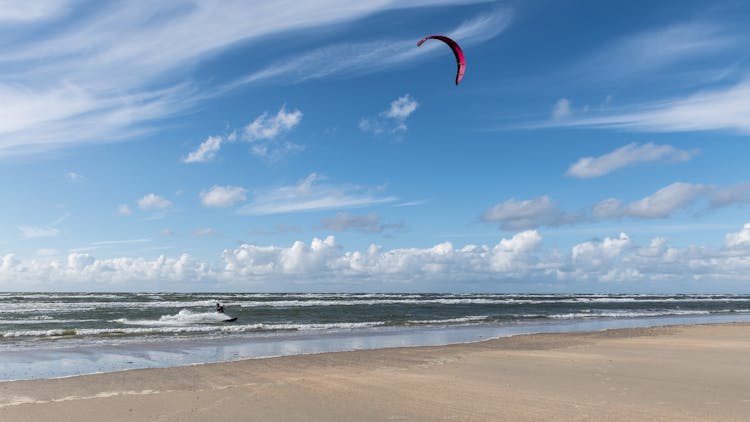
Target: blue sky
<point x="313" y="146"/>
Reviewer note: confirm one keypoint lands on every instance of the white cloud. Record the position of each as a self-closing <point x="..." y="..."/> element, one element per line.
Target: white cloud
<point x="372" y="56"/>
<point x="124" y="209"/>
<point x="666" y="200"/>
<point x="121" y="242"/>
<point x="28" y="11"/>
<point x="392" y="120"/>
<point x="530" y="213"/>
<point x="543" y="211"/>
<point x="325" y="258"/>
<point x="598" y="253"/>
<point x="628" y="155"/>
<point x="31" y="232"/>
<point x="618" y="260"/>
<point x="561" y="110"/>
<point x="736" y="194"/>
<point x="152" y="202"/>
<point x="658" y="48"/>
<point x="73" y="176"/>
<point x="108" y="73"/>
<point x="223" y="196"/>
<point x="660" y="204"/>
<point x="725" y="108"/>
<point x="206" y="151"/>
<point x="740" y="239"/>
<point x="310" y="195"/>
<point x="402" y="107"/>
<point x="266" y="127"/>
<point x="206" y="232"/>
<point x="369" y="223"/>
<point x="266" y="133"/>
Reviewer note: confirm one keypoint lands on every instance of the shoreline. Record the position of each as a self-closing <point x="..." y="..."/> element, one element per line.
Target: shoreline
<point x="560" y="369"/>
<point x="40" y="361"/>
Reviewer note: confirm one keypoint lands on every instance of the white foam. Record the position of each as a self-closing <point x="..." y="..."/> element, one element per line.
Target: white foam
<point x="626" y="314"/>
<point x="184" y="317"/>
<point x="156" y="330"/>
<point x="471" y="318"/>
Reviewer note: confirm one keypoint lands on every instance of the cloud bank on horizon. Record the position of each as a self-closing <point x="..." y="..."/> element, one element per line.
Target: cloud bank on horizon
<point x="201" y="144"/>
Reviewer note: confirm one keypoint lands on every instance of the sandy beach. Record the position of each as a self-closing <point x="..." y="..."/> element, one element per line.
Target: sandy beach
<point x="666" y="373"/>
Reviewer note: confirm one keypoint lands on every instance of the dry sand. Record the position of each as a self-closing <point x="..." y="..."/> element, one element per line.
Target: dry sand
<point x="669" y="373"/>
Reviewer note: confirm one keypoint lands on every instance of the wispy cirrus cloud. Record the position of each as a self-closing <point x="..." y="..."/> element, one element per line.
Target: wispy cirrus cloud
<point x="626" y="156"/>
<point x="658" y="48"/>
<point x="33" y="232"/>
<point x="310" y="194"/>
<point x="367" y="57"/>
<point x="32" y="11"/>
<point x="114" y="70"/>
<point x="724" y="109"/>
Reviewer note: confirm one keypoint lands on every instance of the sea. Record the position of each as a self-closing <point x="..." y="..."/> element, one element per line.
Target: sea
<point x="52" y="335"/>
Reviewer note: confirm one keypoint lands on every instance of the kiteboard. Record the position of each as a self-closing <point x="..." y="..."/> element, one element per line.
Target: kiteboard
<point x="230" y="319"/>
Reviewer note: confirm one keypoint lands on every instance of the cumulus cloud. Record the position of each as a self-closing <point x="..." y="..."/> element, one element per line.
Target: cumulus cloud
<point x="266" y="127"/>
<point x="392" y="120"/>
<point x="223" y="196"/>
<point x="266" y="134"/>
<point x="310" y="194"/>
<point x="628" y="155"/>
<point x="324" y="262"/>
<point x="562" y="109"/>
<point x="206" y="151"/>
<point x="543" y="211"/>
<point x="530" y="213"/>
<point x="737" y="194"/>
<point x="660" y="204"/>
<point x="152" y="202"/>
<point x="369" y="223"/>
<point x="324" y="257"/>
<point x="666" y="200"/>
<point x="597" y="253"/>
<point x="124" y="209"/>
<point x="740" y="239"/>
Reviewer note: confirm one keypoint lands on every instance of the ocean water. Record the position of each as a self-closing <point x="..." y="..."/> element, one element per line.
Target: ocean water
<point x="46" y="335"/>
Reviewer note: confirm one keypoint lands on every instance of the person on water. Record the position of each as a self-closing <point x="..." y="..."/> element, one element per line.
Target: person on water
<point x="219" y="308"/>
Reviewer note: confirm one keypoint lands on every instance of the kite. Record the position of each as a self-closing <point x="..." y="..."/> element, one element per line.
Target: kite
<point x="460" y="60"/>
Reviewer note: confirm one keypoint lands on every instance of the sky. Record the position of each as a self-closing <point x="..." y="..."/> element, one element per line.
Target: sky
<point x="312" y="146"/>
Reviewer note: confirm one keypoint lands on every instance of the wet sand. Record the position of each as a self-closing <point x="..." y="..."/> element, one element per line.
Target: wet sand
<point x="666" y="373"/>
